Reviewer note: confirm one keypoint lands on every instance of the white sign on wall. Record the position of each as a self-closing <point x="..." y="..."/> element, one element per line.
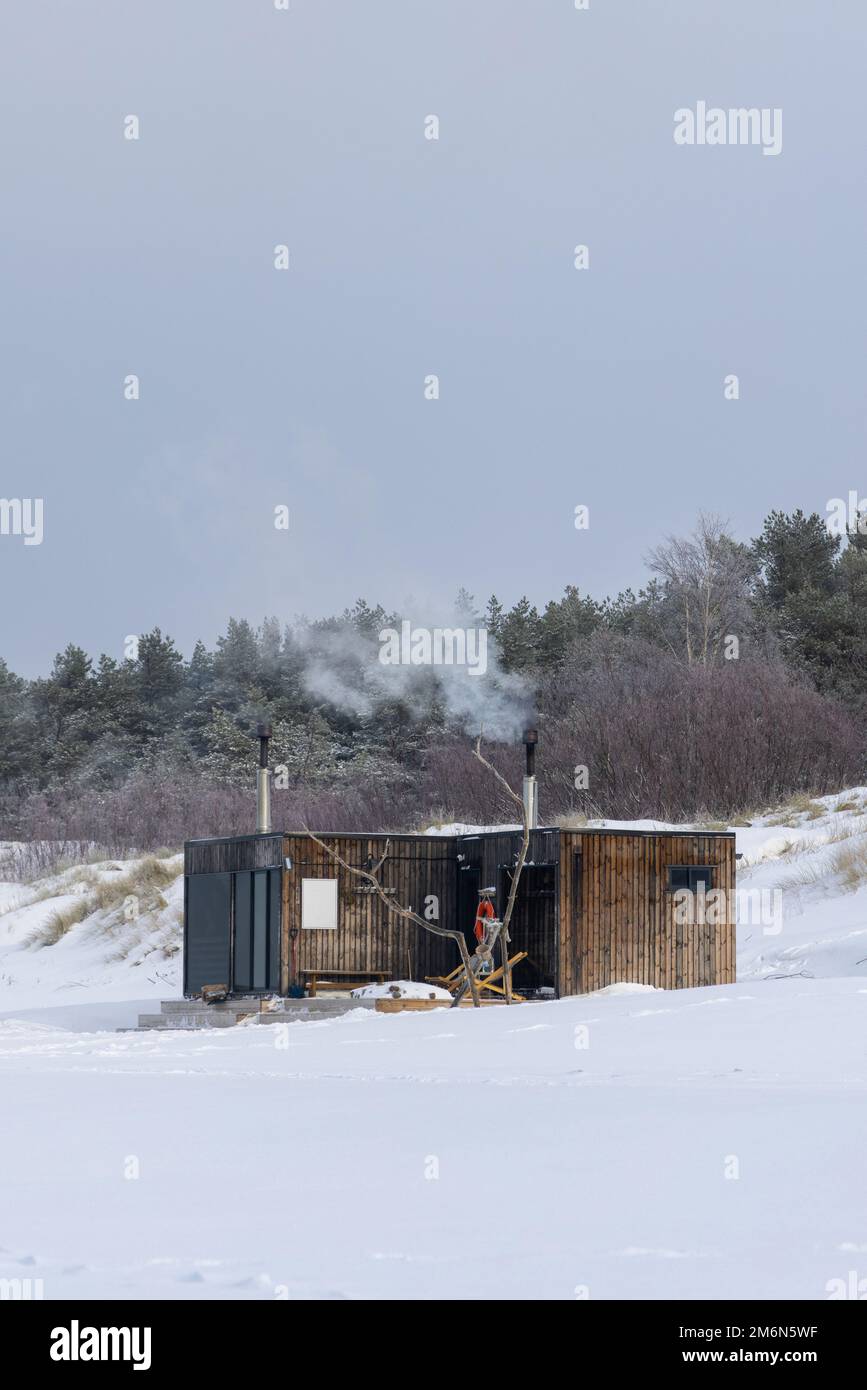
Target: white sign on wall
<point x="319" y="904"/>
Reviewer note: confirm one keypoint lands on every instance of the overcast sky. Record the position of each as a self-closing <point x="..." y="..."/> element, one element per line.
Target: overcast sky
<point x="411" y="257"/>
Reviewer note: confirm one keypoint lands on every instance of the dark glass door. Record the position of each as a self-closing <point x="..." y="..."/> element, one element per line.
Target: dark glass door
<point x="207" y="931"/>
<point x="256" y="937"/>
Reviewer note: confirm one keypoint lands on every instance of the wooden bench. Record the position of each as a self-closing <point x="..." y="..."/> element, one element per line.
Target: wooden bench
<point x="342" y="979"/>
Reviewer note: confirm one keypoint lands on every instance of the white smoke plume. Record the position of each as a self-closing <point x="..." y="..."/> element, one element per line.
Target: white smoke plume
<point x="343" y="667"/>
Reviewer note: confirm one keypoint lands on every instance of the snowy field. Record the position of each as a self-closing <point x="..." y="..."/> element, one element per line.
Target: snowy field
<point x="632" y="1143"/>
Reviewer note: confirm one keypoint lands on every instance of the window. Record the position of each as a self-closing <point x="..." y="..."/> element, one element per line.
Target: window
<point x="690" y="876"/>
<point x="319" y="904"/>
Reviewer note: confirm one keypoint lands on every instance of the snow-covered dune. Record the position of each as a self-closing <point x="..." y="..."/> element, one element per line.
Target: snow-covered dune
<point x="91" y="935"/>
<point x="815" y="865"/>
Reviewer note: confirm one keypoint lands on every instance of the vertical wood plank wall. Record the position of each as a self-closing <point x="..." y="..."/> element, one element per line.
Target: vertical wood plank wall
<point x="617" y="917"/>
<point x="368" y="937"/>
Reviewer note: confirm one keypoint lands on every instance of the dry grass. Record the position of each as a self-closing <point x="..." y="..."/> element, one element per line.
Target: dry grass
<point x="144" y="880"/>
<point x="799" y="808"/>
<point x="58" y="923"/>
<point x="77" y="878"/>
<point x="844" y="867"/>
<point x="790" y="849"/>
<point x="848" y="830"/>
<point x="11" y="904"/>
<point x="435" y="821"/>
<point x="850" y="865"/>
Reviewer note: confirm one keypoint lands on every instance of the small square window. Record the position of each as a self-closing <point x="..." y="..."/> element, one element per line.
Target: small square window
<point x="690" y="876"/>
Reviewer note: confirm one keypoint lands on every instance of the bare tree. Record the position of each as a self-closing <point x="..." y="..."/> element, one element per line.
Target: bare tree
<point x="495" y="928"/>
<point x="707" y="577"/>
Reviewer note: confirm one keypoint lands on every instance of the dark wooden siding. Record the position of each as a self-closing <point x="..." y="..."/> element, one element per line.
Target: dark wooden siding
<point x="617" y="918"/>
<point x="368" y="937"/>
<point x="491" y="851"/>
<point x="232" y="856"/>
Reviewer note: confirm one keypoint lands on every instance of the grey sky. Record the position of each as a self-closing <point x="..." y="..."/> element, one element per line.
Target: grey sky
<point x="411" y="257"/>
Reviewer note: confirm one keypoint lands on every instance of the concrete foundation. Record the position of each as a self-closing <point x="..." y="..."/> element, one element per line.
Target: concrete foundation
<point x="186" y="1014"/>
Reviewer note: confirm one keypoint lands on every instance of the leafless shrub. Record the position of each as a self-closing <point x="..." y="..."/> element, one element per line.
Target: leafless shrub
<point x="669" y="740"/>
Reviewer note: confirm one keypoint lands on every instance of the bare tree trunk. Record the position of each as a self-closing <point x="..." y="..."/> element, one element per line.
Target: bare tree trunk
<point x="471" y="977"/>
<point x="516" y="873"/>
<point x="507" y="969"/>
<point x="473" y="962"/>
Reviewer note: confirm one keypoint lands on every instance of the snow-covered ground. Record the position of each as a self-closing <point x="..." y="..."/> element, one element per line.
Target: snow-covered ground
<point x="401" y="989"/>
<point x="633" y="1143"/>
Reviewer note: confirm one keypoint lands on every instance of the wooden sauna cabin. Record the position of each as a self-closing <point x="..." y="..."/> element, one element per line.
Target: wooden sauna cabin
<point x="271" y="913"/>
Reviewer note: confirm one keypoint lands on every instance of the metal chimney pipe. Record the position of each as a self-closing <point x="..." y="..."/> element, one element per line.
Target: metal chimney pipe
<point x="263" y="782"/>
<point x="531" y="791"/>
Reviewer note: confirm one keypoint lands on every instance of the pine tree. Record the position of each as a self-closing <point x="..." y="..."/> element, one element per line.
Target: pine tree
<point x="19" y="750"/>
<point x="465" y="608"/>
<point x="795" y="552"/>
<point x="236" y="661"/>
<point x="519" y="636"/>
<point x="494" y="616"/>
<point x="64" y="705"/>
<point x="563" y="623"/>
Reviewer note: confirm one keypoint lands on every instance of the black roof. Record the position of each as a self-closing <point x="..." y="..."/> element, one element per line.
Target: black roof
<point x="469" y="835"/>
